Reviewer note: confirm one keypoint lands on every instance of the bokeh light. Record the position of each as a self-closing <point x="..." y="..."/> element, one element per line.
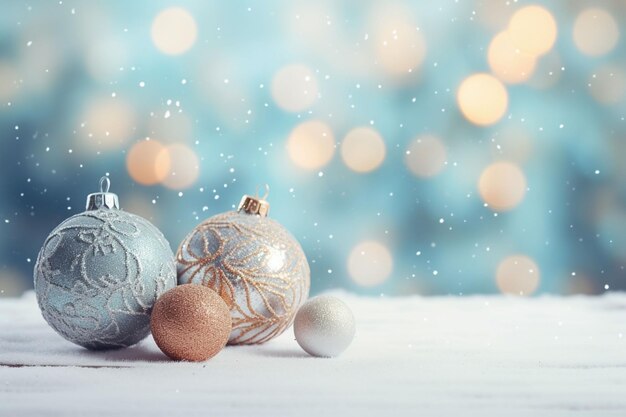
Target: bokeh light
<point x="311" y="145"/>
<point x="108" y="122"/>
<point x="595" y="32"/>
<point x="294" y="88"/>
<point x="386" y="121"/>
<point x="425" y="156"/>
<point x="370" y="263"/>
<point x="507" y="61"/>
<point x="608" y="85"/>
<point x="482" y="99"/>
<point x="518" y="275"/>
<point x="174" y="31"/>
<point x="502" y="185"/>
<point x="363" y="149"/>
<point x="184" y="166"/>
<point x="400" y="47"/>
<point x="533" y="30"/>
<point x="142" y="164"/>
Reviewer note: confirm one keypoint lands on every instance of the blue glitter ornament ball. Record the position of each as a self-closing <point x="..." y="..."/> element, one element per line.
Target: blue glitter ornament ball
<point x="100" y="272"/>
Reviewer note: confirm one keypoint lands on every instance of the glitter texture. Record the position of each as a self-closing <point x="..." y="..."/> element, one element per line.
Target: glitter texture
<point x="255" y="265"/>
<point x="98" y="275"/>
<point x="190" y="322"/>
<point x="324" y="326"/>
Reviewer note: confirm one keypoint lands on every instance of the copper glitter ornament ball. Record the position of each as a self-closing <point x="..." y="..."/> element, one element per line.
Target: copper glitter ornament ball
<point x="253" y="263"/>
<point x="190" y="323"/>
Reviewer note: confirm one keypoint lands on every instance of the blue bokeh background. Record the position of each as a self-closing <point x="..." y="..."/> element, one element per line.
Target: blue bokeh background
<point x="61" y="60"/>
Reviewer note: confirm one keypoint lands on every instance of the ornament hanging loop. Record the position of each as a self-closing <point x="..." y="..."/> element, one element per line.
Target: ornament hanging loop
<point x="104" y="199"/>
<point x="266" y="187"/>
<point x="105" y="184"/>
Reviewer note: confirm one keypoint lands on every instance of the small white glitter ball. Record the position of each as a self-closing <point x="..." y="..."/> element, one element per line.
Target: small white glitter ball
<point x="324" y="326"/>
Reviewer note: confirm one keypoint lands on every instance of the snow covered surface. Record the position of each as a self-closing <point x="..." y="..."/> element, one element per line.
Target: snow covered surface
<point x="412" y="356"/>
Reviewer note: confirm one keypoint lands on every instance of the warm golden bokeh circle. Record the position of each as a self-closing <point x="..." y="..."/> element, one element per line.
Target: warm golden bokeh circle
<point x="370" y="263"/>
<point x="142" y="164"/>
<point x="482" y="99"/>
<point x="518" y="275"/>
<point x="174" y="31"/>
<point x="502" y="185"/>
<point x="311" y="145"/>
<point x="294" y="88"/>
<point x="595" y="32"/>
<point x="109" y="122"/>
<point x="363" y="149"/>
<point x="533" y="30"/>
<point x="425" y="156"/>
<point x="399" y="46"/>
<point x="509" y="63"/>
<point x="184" y="166"/>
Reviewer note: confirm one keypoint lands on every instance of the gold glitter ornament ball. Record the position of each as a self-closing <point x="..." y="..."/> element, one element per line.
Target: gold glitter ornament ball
<point x="253" y="263"/>
<point x="190" y="323"/>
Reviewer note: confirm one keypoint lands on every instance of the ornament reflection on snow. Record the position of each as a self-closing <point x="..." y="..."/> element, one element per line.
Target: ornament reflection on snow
<point x="253" y="263"/>
<point x="100" y="272"/>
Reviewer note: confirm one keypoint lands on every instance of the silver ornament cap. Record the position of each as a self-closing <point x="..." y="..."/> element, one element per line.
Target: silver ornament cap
<point x="104" y="199"/>
<point x="255" y="205"/>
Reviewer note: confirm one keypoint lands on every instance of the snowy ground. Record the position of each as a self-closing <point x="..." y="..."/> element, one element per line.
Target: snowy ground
<point x="413" y="356"/>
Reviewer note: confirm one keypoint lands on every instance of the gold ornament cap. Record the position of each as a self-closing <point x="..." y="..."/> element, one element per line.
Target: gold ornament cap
<point x="104" y="199"/>
<point x="255" y="205"/>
